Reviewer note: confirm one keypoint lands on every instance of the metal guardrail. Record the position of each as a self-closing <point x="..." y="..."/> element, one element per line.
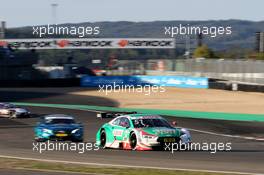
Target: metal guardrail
<point x="249" y="71"/>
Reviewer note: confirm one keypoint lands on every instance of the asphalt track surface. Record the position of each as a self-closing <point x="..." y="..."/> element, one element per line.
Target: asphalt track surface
<point x="16" y="137"/>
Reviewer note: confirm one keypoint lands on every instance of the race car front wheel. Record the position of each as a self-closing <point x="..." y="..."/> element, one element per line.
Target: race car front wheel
<point x="102" y="139"/>
<point x="12" y="114"/>
<point x="37" y="139"/>
<point x="133" y="141"/>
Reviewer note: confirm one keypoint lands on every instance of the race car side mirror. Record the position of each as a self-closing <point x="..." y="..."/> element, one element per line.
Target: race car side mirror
<point x="174" y="123"/>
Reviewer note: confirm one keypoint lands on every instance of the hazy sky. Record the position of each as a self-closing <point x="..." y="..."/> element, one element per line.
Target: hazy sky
<point x="35" y="12"/>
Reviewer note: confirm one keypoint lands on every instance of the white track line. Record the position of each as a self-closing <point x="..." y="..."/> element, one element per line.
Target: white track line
<point x="227" y="135"/>
<point x="128" y="166"/>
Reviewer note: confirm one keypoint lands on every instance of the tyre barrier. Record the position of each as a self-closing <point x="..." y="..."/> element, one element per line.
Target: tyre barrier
<point x="234" y="86"/>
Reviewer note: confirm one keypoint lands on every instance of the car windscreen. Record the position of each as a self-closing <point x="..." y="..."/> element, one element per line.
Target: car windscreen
<point x="154" y="122"/>
<point x="59" y="121"/>
<point x="8" y="106"/>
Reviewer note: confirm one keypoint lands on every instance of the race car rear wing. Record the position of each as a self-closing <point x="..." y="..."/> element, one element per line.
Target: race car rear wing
<point x="112" y="114"/>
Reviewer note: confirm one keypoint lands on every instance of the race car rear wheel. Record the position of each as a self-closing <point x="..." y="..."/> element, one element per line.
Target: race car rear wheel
<point x="133" y="141"/>
<point x="103" y="139"/>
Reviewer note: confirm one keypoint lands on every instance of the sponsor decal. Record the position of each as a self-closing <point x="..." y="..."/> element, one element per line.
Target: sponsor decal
<point x="117" y="132"/>
<point x="89" y="43"/>
<point x="166" y="131"/>
<point x="124" y="82"/>
<point x="123" y="43"/>
<point x="3" y="43"/>
<point x="146" y="43"/>
<point x="62" y="43"/>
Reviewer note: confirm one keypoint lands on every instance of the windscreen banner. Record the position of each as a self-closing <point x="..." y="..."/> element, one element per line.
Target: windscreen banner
<point x="168" y="81"/>
<point x="89" y="43"/>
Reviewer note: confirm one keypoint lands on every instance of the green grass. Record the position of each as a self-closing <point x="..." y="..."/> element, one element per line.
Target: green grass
<point x="175" y="113"/>
<point x="10" y="163"/>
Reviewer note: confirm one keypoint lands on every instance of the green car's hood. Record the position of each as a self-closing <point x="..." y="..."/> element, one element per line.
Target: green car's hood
<point x="162" y="131"/>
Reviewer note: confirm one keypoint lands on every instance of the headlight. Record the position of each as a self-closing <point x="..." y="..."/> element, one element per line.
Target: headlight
<point x="185" y="131"/>
<point x="145" y="135"/>
<point x="47" y="131"/>
<point x="148" y="137"/>
<point x="5" y="111"/>
<point x="185" y="135"/>
<point x="75" y="131"/>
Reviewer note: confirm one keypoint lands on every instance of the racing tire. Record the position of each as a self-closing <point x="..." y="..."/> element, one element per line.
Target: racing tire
<point x="40" y="139"/>
<point x="12" y="114"/>
<point x="133" y="141"/>
<point x="103" y="139"/>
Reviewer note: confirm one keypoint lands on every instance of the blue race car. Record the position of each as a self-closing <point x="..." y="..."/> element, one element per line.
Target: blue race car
<point x="58" y="127"/>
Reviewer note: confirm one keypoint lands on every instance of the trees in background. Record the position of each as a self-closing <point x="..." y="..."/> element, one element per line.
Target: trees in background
<point x="203" y="52"/>
<point x="260" y="56"/>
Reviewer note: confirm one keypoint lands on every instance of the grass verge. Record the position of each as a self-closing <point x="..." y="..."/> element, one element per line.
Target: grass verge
<point x="175" y="113"/>
<point x="12" y="163"/>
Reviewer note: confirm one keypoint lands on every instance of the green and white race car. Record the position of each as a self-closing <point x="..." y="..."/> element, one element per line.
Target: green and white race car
<point x="140" y="132"/>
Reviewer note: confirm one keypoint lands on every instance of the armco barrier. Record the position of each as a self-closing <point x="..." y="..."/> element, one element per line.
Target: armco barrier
<point x="68" y="82"/>
<point x="228" y="85"/>
<point x="170" y="81"/>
